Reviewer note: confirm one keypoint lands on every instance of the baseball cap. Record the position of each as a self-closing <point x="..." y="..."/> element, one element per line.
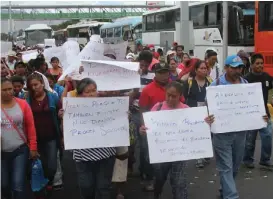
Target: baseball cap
<point x="234" y="61"/>
<point x="161" y="67"/>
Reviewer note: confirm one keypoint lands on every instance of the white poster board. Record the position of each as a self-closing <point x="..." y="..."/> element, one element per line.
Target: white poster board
<point x="96" y="122"/>
<point x="237" y="107"/>
<point x="6" y="46"/>
<point x="50" y="42"/>
<point x="177" y="135"/>
<point x="28" y="55"/>
<point x="111" y="75"/>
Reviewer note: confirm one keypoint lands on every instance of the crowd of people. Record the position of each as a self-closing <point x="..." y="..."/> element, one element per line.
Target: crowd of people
<point x="32" y="127"/>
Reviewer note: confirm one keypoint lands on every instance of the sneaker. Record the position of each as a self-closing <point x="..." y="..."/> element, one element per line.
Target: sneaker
<point x="57" y="187"/>
<point x="249" y="165"/>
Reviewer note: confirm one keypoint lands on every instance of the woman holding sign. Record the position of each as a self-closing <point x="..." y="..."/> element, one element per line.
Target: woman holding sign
<point x="177" y="169"/>
<point x="94" y="166"/>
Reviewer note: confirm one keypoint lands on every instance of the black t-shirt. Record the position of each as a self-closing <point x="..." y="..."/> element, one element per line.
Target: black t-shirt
<point x="266" y="81"/>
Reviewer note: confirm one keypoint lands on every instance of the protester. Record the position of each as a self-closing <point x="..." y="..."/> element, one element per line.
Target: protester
<point x="40" y="65"/>
<point x="245" y="58"/>
<point x="11" y="60"/>
<point x="56" y="69"/>
<point x="174" y="70"/>
<point x="189" y="67"/>
<point x="186" y="57"/>
<point x="258" y="75"/>
<point x="179" y="53"/>
<point x="18" y="142"/>
<point x="94" y="166"/>
<point x="54" y="85"/>
<point x="45" y="107"/>
<point x="229" y="147"/>
<point x="214" y="69"/>
<point x="18" y="87"/>
<point x="177" y="169"/>
<point x="20" y="69"/>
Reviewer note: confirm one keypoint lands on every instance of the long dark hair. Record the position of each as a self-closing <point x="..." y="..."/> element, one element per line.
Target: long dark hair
<point x="196" y="66"/>
<point x="83" y="83"/>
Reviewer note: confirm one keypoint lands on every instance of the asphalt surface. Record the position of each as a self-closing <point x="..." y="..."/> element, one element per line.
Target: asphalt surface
<point x="203" y="184"/>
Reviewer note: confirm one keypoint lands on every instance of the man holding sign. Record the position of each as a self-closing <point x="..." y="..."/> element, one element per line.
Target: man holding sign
<point x="228" y="145"/>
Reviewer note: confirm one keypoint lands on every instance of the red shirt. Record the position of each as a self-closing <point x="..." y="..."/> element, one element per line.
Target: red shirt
<point x="152" y="94"/>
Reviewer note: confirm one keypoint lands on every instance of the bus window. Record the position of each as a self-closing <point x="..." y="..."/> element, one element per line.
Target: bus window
<point x="95" y="30"/>
<point x="110" y="32"/>
<point x="177" y="15"/>
<point x="212" y="18"/>
<point x="265" y="16"/>
<point x="150" y="22"/>
<point x="197" y="15"/>
<point x="170" y="20"/>
<point x="160" y="21"/>
<point x="126" y="33"/>
<point x="103" y="33"/>
<point x="138" y="31"/>
<point x="117" y="32"/>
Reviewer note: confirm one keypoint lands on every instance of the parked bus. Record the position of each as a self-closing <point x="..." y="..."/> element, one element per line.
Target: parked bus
<point x="123" y="29"/>
<point x="60" y="36"/>
<point x="208" y="27"/>
<point x="83" y="30"/>
<point x="264" y="33"/>
<point x="37" y="33"/>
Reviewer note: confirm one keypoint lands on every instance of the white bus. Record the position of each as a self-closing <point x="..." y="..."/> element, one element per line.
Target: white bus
<point x="208" y="26"/>
<point x="123" y="29"/>
<point x="83" y="30"/>
<point x="37" y="33"/>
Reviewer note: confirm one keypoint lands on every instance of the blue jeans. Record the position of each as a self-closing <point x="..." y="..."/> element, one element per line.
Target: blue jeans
<point x="13" y="173"/>
<point x="266" y="138"/>
<point x="229" y="152"/>
<point x="48" y="151"/>
<point x="95" y="178"/>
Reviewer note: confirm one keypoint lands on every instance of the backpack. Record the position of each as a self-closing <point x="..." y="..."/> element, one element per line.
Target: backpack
<point x="208" y="78"/>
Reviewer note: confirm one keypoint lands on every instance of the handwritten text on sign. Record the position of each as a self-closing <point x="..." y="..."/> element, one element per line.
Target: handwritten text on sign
<point x="96" y="122"/>
<point x="177" y="135"/>
<point x="111" y="77"/>
<point x="236" y="107"/>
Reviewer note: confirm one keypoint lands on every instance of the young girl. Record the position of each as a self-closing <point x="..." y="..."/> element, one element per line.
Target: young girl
<point x="56" y="70"/>
<point x="177" y="169"/>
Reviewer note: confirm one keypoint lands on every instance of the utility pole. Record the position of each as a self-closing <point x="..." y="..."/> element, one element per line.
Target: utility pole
<point x="184" y="33"/>
<point x="225" y="30"/>
<point x="10" y="19"/>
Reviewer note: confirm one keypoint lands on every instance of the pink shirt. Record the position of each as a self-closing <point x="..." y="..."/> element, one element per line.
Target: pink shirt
<point x="166" y="107"/>
<point x="181" y="66"/>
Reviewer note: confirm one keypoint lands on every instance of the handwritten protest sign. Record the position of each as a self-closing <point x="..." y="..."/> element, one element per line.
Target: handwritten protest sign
<point x="5" y="47"/>
<point x="96" y="122"/>
<point x="28" y="55"/>
<point x="71" y="49"/>
<point x="50" y="42"/>
<point x="176" y="135"/>
<point x="236" y="107"/>
<point x="96" y="51"/>
<point x="111" y="75"/>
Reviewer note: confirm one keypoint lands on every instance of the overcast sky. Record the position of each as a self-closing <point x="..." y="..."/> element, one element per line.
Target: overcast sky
<point x="63" y="2"/>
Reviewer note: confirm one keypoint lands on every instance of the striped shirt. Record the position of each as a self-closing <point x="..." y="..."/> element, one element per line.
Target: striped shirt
<point x="94" y="154"/>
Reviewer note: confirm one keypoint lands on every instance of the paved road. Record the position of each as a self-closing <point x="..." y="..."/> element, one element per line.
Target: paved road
<point x="252" y="184"/>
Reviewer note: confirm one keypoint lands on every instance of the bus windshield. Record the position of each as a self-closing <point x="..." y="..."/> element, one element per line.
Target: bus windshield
<point x="34" y="37"/>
